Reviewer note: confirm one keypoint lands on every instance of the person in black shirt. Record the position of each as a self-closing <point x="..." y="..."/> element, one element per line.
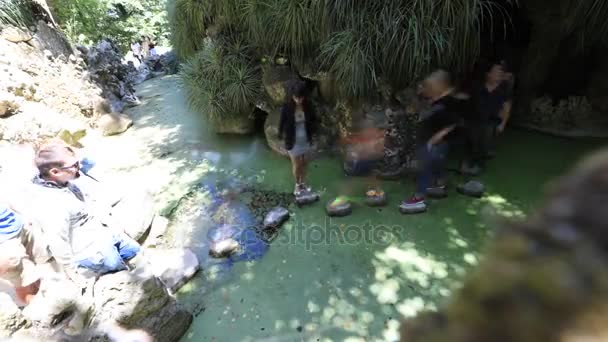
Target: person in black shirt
<point x="494" y="102"/>
<point x="435" y="127"/>
<point x="297" y="126"/>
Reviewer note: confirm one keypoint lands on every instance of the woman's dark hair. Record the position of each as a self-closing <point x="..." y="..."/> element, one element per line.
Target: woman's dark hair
<point x="298" y="89"/>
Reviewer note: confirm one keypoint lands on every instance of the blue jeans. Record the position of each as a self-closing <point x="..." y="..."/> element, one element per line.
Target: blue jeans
<point x="111" y="254"/>
<point x="432" y="166"/>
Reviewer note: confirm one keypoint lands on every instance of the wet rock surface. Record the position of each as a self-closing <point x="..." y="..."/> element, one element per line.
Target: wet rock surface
<point x="306" y="198"/>
<point x="376" y="200"/>
<point x="342" y="209"/>
<point x="472" y="188"/>
<point x="412" y="209"/>
<point x="276" y="217"/>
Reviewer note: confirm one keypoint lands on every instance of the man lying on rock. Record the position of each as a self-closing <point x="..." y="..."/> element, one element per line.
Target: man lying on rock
<point x="83" y="229"/>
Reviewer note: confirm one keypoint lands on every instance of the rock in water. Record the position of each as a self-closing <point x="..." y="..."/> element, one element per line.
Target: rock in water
<point x="437" y="192"/>
<point x="306" y="197"/>
<point x="339" y="208"/>
<point x="139" y="300"/>
<point x="276" y="217"/>
<point x="413" y="209"/>
<point x="224" y="248"/>
<point x="472" y="188"/>
<point x="377" y="199"/>
<point x="174" y="267"/>
<point x="114" y="123"/>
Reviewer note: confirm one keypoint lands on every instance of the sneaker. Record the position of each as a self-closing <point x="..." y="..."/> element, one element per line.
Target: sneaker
<point x="304" y="187"/>
<point x="297" y="190"/>
<point x="413" y="205"/>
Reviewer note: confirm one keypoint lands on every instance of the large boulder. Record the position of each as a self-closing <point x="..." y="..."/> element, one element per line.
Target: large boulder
<point x="135" y="212"/>
<point x="15" y="35"/>
<point x="112" y="75"/>
<point x="274" y="79"/>
<point x="138" y="300"/>
<point x="59" y="304"/>
<point x="113" y="123"/>
<point x="47" y="38"/>
<point x="174" y="267"/>
<point x="169" y="63"/>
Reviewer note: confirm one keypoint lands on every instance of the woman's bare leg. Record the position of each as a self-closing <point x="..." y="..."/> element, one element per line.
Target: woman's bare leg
<point x="302" y="169"/>
<point x="294" y="167"/>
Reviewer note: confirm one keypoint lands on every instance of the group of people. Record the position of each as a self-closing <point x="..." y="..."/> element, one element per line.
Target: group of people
<point x="448" y="119"/>
<point x="70" y="221"/>
<point x="143" y="48"/>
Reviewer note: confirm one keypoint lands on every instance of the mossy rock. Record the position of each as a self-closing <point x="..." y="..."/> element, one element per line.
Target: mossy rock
<point x="274" y="79"/>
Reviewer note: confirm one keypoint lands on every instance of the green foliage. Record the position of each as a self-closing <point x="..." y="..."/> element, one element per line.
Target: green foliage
<point x="362" y="43"/>
<point x="16" y="13"/>
<point x="187" y="24"/>
<point x="88" y="21"/>
<point x="222" y="81"/>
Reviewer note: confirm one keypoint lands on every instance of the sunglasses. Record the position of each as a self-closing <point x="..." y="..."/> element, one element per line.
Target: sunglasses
<point x="76" y="165"/>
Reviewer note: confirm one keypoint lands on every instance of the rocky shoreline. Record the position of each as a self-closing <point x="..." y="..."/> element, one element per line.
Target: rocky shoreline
<point x="52" y="89"/>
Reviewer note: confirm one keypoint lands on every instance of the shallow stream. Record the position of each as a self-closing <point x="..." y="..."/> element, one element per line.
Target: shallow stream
<point x="321" y="279"/>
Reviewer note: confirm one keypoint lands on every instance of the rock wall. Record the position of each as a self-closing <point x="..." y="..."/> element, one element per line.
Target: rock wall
<point x="74" y="87"/>
<point x="108" y="71"/>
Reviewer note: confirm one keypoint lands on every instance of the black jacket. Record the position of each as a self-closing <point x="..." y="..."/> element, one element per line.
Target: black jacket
<point x="287" y="125"/>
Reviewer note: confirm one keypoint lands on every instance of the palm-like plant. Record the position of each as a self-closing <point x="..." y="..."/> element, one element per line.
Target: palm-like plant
<point x="187" y="22"/>
<point x="16" y="13"/>
<point x="361" y="43"/>
<point x="222" y="82"/>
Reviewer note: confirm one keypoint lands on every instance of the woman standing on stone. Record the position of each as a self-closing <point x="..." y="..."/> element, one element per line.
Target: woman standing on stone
<point x="297" y="127"/>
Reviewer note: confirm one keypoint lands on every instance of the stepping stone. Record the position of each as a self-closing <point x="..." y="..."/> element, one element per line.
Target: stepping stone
<point x="276" y="217"/>
<point x="410" y="210"/>
<point x="378" y="200"/>
<point x="224" y="248"/>
<point x="472" y="188"/>
<point x="342" y="209"/>
<point x="471" y="171"/>
<point x="306" y="197"/>
<point x="437" y="192"/>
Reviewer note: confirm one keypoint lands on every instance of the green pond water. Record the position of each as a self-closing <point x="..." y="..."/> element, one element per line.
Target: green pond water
<point x="354" y="278"/>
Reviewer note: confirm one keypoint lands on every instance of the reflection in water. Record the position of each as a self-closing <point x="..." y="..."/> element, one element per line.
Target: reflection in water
<point x="224" y="216"/>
